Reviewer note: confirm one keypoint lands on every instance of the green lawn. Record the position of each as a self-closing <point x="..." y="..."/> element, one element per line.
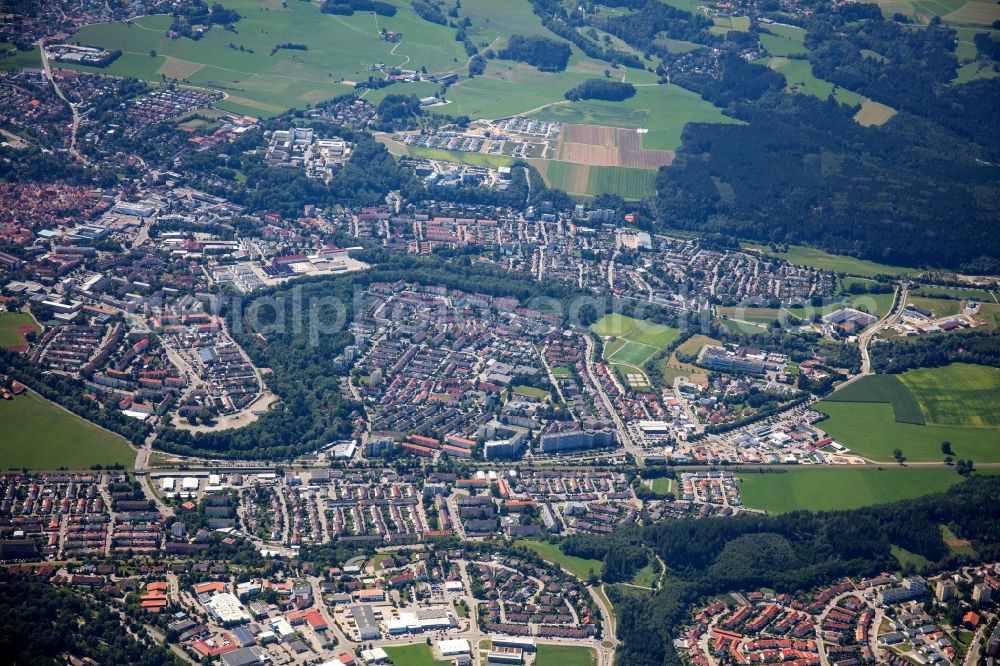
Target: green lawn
<point x="613" y="325"/>
<point x="905" y="557"/>
<point x="11" y="325"/>
<point x="807" y="256"/>
<point x="869" y="429"/>
<point x="461" y="157"/>
<point x="550" y="552"/>
<point x="633" y="354"/>
<point x="561" y="371"/>
<point x="413" y="655"/>
<point x="663" y="110"/>
<point x="19" y="60"/>
<point x="531" y="392"/>
<point x="827" y="489"/>
<point x="40" y="435"/>
<point x="648" y="575"/>
<point x="952" y="292"/>
<point x="564" y="655"/>
<point x="662" y="485"/>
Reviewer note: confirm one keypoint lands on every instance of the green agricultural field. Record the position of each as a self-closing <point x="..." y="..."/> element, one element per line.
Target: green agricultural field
<point x="41" y="435"/>
<point x="959" y="394"/>
<point x="828" y="489"/>
<point x="413" y="655"/>
<point x="630" y="184"/>
<point x="785" y="40"/>
<point x="634" y="354"/>
<point x="564" y="655"/>
<point x="341" y="48"/>
<point x="663" y="110"/>
<point x="12" y="328"/>
<point x="807" y="256"/>
<point x="799" y="78"/>
<point x="883" y="388"/>
<point x="550" y="552"/>
<point x="869" y="429"/>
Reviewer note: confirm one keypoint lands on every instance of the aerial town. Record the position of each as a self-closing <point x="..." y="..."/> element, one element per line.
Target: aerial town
<point x="467" y="333"/>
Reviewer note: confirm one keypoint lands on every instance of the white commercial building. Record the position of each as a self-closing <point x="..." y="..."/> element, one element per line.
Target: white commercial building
<point x="227" y="608"/>
<point x="453" y="647"/>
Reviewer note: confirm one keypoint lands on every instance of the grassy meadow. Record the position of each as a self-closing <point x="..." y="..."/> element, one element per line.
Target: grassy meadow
<point x="38" y="434"/>
<point x="917" y="411"/>
<point x="828" y="489"/>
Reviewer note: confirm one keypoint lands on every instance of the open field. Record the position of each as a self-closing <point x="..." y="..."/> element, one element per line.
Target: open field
<point x="599" y="145"/>
<point x="461" y="157"/>
<point x="664" y="110"/>
<point x="531" y="392"/>
<point x="613" y="325"/>
<point x="959" y="394"/>
<point x="874" y="114"/>
<point x="786" y="40"/>
<point x="807" y="256"/>
<point x="630" y="184"/>
<point x="883" y="388"/>
<point x="870" y="429"/>
<point x="13" y="326"/>
<point x="941" y="307"/>
<point x="40" y="435"/>
<point x="905" y="557"/>
<point x="550" y="552"/>
<point x="413" y="655"/>
<point x="564" y="655"/>
<point x="267" y="83"/>
<point x="799" y="78"/>
<point x="974" y="13"/>
<point x="953" y="292"/>
<point x="566" y="176"/>
<point x="692" y="346"/>
<point x="19" y="60"/>
<point x="829" y="489"/>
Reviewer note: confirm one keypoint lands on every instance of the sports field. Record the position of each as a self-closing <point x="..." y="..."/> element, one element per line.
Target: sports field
<point x="564" y="655"/>
<point x="941" y="307"/>
<point x="40" y="435"/>
<point x="413" y="655"/>
<point x="13" y="326"/>
<point x="633" y="354"/>
<point x="531" y="392"/>
<point x="461" y="157"/>
<point x="550" y="552"/>
<point x="807" y="256"/>
<point x="826" y="489"/>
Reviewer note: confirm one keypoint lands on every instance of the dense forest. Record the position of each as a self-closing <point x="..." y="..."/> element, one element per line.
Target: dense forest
<point x="606" y="89"/>
<point x="790" y="552"/>
<point x="547" y="55"/>
<point x="348" y="7"/>
<point x="802" y="170"/>
<point x="47" y="624"/>
<point x="920" y="190"/>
